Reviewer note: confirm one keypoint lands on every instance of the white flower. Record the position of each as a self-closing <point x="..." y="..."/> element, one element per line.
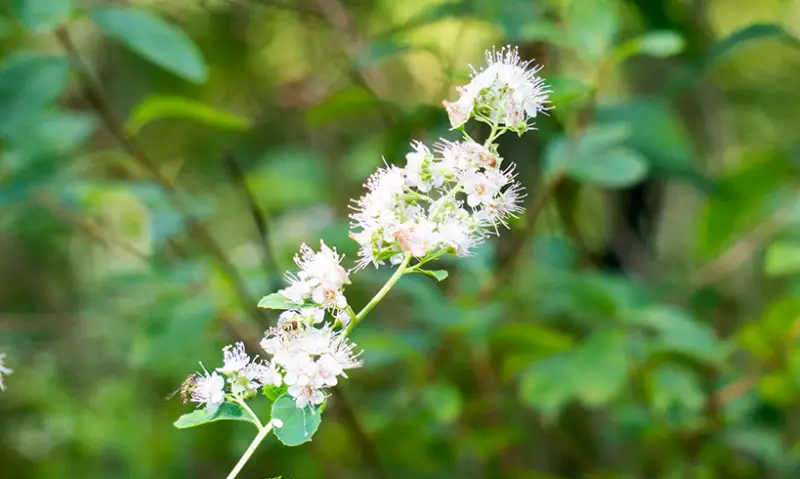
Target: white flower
<point x="321" y="267"/>
<point x="292" y="317"/>
<point x="264" y="374"/>
<point x="305" y="396"/>
<point x="509" y="88"/>
<point x="417" y="237"/>
<point x="208" y="389"/>
<point x="328" y="368"/>
<point x="3" y="370"/>
<point x="321" y="278"/>
<point x="297" y="292"/>
<point x="417" y="163"/>
<point x="235" y="358"/>
<point x="311" y="358"/>
<point x="481" y="188"/>
<point x="460" y="231"/>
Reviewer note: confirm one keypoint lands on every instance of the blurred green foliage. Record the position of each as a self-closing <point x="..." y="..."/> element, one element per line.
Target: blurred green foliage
<point x="162" y="161"/>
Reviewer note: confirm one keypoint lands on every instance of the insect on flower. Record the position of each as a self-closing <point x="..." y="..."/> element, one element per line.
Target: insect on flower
<point x="185" y="389"/>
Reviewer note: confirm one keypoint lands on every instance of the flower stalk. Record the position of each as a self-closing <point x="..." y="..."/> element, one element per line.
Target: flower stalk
<point x="445" y="200"/>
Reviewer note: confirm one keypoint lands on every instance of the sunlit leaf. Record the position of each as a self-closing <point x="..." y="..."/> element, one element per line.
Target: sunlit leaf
<point x="659" y="43"/>
<point x="153" y="39"/>
<point x="43" y="15"/>
<point x="298" y="425"/>
<point x="782" y="258"/>
<point x="159" y="107"/>
<point x="226" y="412"/>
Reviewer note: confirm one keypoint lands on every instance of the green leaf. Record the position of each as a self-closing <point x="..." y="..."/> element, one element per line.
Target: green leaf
<point x="782" y="258"/>
<point x="663" y="43"/>
<point x="29" y="84"/>
<point x="546" y="384"/>
<point x="153" y="39"/>
<point x="276" y="301"/>
<point x="656" y="133"/>
<point x="299" y="425"/>
<point x="226" y="412"/>
<point x="443" y="402"/>
<point x="617" y="168"/>
<point x="346" y="103"/>
<point x="600" y="367"/>
<point x="439" y="274"/>
<point x="680" y="333"/>
<point x="593" y="26"/>
<point x="660" y="43"/>
<point x="53" y="133"/>
<point x="753" y="32"/>
<point x="157" y="107"/>
<point x="598" y="156"/>
<point x="677" y="391"/>
<point x="274" y="392"/>
<point x="544" y="32"/>
<point x="40" y="16"/>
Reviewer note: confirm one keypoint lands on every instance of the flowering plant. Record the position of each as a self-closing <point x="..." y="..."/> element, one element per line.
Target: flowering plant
<point x="445" y="200"/>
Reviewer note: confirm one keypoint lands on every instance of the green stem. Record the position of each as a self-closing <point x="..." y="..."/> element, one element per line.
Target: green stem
<point x="401" y="270"/>
<point x="250" y="450"/>
<point x="427" y="259"/>
<point x="249" y="411"/>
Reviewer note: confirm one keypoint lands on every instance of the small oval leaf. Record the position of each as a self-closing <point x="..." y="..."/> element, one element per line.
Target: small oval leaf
<point x="153" y="39"/>
<point x="663" y="43"/>
<point x="157" y="107"/>
<point x="617" y="168"/>
<point x="227" y="411"/>
<point x="439" y="274"/>
<point x="277" y="301"/>
<point x="299" y="425"/>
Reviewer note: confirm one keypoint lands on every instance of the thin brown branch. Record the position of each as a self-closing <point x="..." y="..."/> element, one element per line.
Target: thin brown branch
<point x="96" y="98"/>
<point x="258" y="215"/>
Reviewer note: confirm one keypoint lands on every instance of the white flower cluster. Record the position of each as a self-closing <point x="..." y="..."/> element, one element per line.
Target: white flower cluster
<point x="507" y="91"/>
<point x="242" y="374"/>
<point x="448" y="200"/>
<point x="445" y="200"/>
<point x="3" y="370"/>
<point x="310" y="358"/>
<point x="320" y="280"/>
